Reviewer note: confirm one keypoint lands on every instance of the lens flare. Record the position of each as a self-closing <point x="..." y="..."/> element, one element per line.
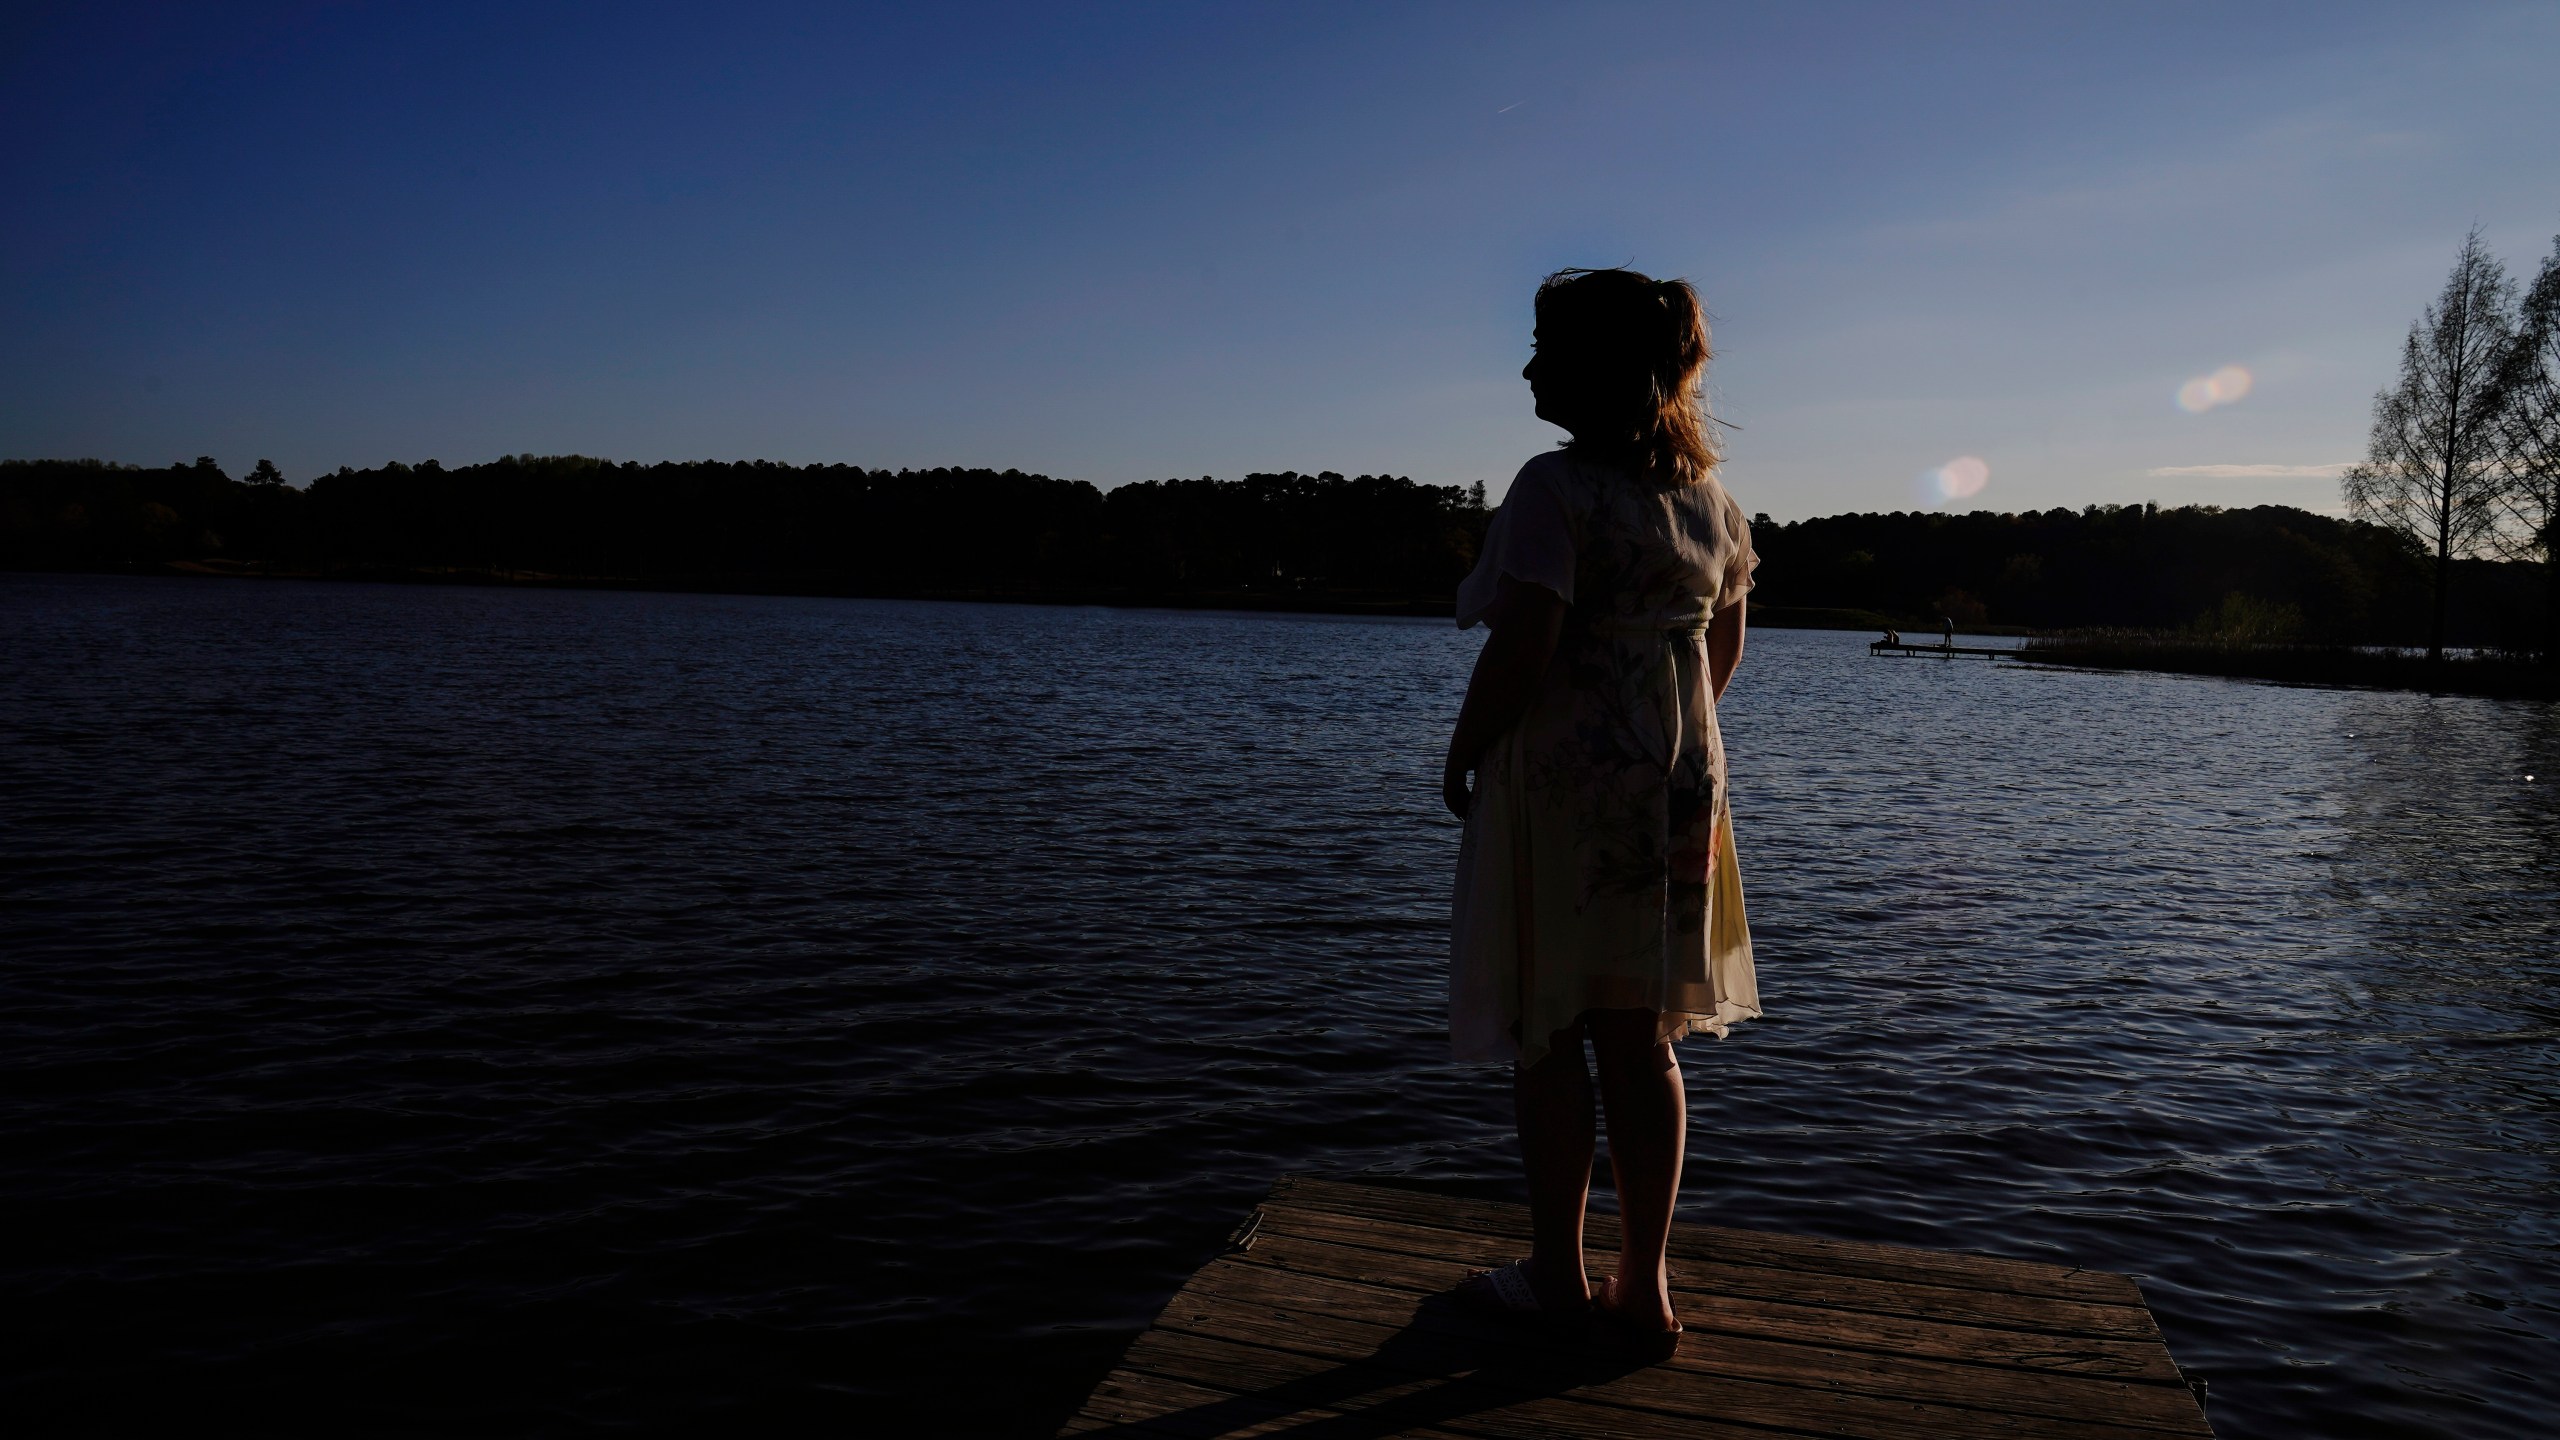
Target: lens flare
<point x="2208" y="392"/>
<point x="1959" y="479"/>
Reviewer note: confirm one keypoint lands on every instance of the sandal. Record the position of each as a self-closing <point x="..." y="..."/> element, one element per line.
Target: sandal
<point x="1654" y="1346"/>
<point x="1508" y="1291"/>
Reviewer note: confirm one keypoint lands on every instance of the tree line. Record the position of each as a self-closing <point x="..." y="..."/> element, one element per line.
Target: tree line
<point x="1286" y="540"/>
<point x="2268" y="574"/>
<point x="2464" y="457"/>
<point x="1319" y="541"/>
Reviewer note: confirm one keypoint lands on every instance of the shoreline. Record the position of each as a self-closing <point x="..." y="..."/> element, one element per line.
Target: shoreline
<point x="2333" y="667"/>
<point x="1773" y="617"/>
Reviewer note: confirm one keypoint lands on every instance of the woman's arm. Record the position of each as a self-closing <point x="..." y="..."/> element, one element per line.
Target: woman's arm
<point x="1724" y="646"/>
<point x="1526" y="621"/>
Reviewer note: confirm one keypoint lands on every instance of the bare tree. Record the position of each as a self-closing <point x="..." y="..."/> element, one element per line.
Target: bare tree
<point x="2529" y="448"/>
<point x="2430" y="471"/>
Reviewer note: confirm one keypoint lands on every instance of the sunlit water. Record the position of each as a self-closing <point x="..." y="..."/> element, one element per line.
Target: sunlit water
<point x="476" y="1011"/>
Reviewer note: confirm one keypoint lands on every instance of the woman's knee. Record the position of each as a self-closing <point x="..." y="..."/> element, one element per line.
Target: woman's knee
<point x="1620" y="1029"/>
<point x="1563" y="1061"/>
<point x="1628" y="1041"/>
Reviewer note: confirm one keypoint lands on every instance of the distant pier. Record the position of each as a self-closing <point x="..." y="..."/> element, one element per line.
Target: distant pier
<point x="1330" y="1315"/>
<point x="1944" y="652"/>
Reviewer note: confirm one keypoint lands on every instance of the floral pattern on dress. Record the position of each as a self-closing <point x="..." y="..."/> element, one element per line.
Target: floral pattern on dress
<point x="1597" y="864"/>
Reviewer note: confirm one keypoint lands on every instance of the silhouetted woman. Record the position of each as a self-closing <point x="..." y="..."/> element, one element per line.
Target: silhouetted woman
<point x="1597" y="894"/>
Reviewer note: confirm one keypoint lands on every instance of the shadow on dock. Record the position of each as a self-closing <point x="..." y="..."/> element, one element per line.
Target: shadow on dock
<point x="1445" y="1366"/>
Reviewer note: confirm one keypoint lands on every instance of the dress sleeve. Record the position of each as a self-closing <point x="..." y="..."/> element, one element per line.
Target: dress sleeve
<point x="1739" y="565"/>
<point x="1531" y="538"/>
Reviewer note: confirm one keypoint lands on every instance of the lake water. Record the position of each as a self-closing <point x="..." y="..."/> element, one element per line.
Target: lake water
<point x="479" y="1011"/>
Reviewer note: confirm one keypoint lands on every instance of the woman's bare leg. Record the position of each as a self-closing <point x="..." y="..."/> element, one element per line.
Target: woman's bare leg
<point x="1648" y="1114"/>
<point x="1552" y="1103"/>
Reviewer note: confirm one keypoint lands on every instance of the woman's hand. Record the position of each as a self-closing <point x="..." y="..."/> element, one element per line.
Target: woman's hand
<point x="1527" y="622"/>
<point x="1453" y="787"/>
<point x="1724" y="645"/>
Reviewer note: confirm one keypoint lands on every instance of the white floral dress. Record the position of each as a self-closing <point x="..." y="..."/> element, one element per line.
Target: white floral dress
<point x="1597" y="867"/>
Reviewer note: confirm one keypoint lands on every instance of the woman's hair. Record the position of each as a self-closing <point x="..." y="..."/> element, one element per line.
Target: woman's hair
<point x="1645" y="342"/>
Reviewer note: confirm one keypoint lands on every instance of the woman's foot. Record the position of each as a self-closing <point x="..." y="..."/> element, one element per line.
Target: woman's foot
<point x="1644" y="1323"/>
<point x="1521" y="1288"/>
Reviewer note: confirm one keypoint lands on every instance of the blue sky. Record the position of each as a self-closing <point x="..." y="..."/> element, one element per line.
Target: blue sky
<point x="1131" y="242"/>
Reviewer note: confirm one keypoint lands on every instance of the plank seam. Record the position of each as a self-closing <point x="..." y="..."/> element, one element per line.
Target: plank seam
<point x="1453" y="1227"/>
<point x="1844" y="1309"/>
<point x="1704" y="1376"/>
<point x="1515" y="1217"/>
<point x="1883" y="1251"/>
<point x="1810" y="1347"/>
<point x="1863" y="1339"/>
<point x="1459" y="1424"/>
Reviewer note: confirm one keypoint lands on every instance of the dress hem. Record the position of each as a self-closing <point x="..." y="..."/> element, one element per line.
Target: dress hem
<point x="1503" y="1050"/>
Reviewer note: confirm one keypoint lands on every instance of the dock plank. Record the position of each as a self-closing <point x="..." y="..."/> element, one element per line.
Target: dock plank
<point x="1796" y="1359"/>
<point x="2135" y="1361"/>
<point x="1335" y="1318"/>
<point x="1134" y="1402"/>
<point x="1470" y="1402"/>
<point x="1717" y="1242"/>
<point x="1799" y="1287"/>
<point x="1319" y="1344"/>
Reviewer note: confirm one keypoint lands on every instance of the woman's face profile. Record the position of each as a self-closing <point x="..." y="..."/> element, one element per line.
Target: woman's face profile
<point x="1563" y="382"/>
<point x="1551" y="384"/>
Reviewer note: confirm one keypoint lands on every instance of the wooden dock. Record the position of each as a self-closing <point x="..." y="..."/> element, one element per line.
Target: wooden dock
<point x="1943" y="652"/>
<point x="1330" y="1317"/>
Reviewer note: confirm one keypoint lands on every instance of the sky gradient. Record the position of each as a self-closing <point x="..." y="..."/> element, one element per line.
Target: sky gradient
<point x="1126" y="242"/>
